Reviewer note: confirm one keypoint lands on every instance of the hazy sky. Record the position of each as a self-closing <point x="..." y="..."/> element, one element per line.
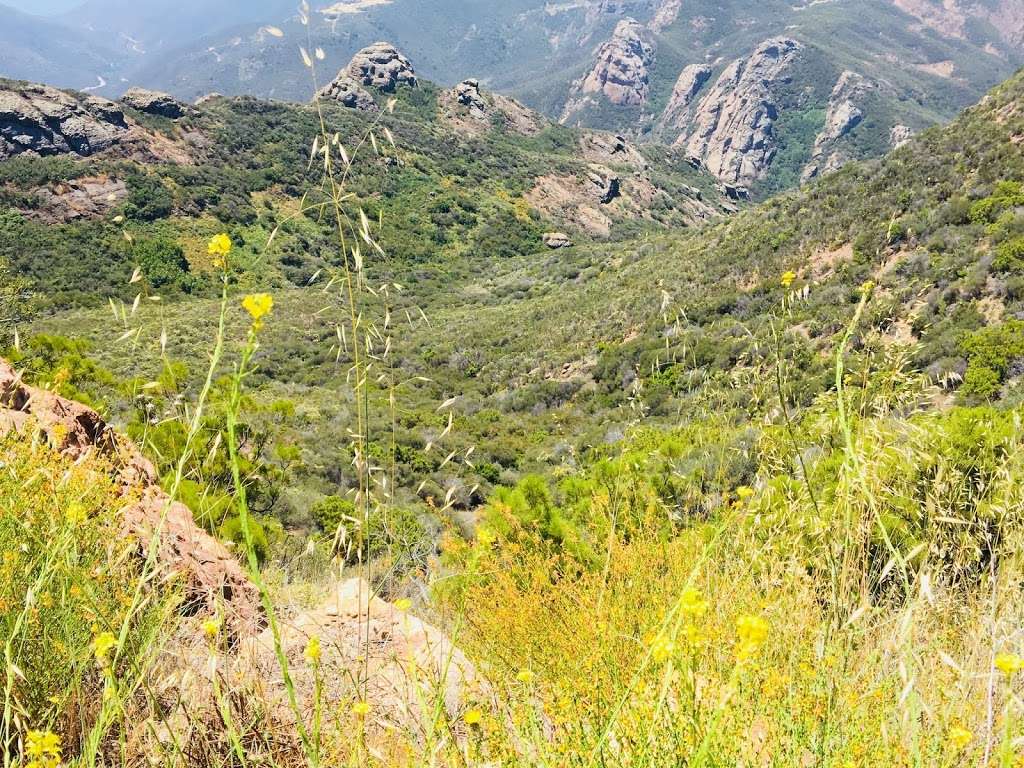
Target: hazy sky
<point x="42" y="7"/>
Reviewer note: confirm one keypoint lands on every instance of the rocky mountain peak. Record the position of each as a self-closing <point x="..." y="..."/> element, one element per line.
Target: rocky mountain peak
<point x="472" y="111"/>
<point x="621" y="71"/>
<point x="844" y="113"/>
<point x="688" y="85"/>
<point x="380" y="66"/>
<point x="733" y="126"/>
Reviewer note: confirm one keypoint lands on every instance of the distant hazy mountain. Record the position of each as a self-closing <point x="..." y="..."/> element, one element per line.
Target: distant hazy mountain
<point x="33" y="48"/>
<point x="762" y="93"/>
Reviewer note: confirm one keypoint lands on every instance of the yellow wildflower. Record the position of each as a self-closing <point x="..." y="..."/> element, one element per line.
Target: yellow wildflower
<point x="692" y="604"/>
<point x="485" y="536"/>
<point x="744" y="492"/>
<point x="43" y="749"/>
<point x="102" y="645"/>
<point x="312" y="651"/>
<point x="525" y="676"/>
<point x="219" y="247"/>
<point x="788" y="278"/>
<point x="867" y="287"/>
<point x="403" y="605"/>
<point x="473" y="717"/>
<point x="361" y="708"/>
<point x="959" y="737"/>
<point x="258" y="305"/>
<point x="752" y="632"/>
<point x="211" y="628"/>
<point x="1009" y="663"/>
<point x="662" y="649"/>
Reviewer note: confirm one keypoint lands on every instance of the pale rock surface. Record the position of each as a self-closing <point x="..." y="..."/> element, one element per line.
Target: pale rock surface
<point x="733" y="133"/>
<point x="842" y="116"/>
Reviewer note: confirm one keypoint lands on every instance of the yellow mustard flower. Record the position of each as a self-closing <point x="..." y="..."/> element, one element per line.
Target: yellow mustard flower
<point x="744" y="492"/>
<point x="752" y="631"/>
<point x="525" y="676"/>
<point x="211" y="628"/>
<point x="219" y="247"/>
<point x="312" y="652"/>
<point x="43" y="748"/>
<point x="692" y="604"/>
<point x="258" y="305"/>
<point x="102" y="645"/>
<point x="361" y="708"/>
<point x="959" y="737"/>
<point x="867" y="287"/>
<point x="473" y="717"/>
<point x="1009" y="663"/>
<point x="403" y="605"/>
<point x="662" y="649"/>
<point x="787" y="279"/>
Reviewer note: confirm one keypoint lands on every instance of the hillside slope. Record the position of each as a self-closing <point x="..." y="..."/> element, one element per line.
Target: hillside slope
<point x="563" y="352"/>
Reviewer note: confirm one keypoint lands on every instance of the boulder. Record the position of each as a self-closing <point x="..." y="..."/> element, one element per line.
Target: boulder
<point x="380" y="66"/>
<point x="402" y="661"/>
<point x="155" y="103"/>
<point x="604" y="186"/>
<point x="900" y="135"/>
<point x="611" y="148"/>
<point x="349" y="94"/>
<point x="213" y="582"/>
<point x="555" y="240"/>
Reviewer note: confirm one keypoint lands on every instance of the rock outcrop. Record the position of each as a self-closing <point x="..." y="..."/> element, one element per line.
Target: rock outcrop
<point x="688" y="85"/>
<point x="843" y="115"/>
<point x="89" y="197"/>
<point x="155" y="103"/>
<point x="665" y="16"/>
<point x="733" y="132"/>
<point x="402" y="661"/>
<point x="380" y="66"/>
<point x="900" y="135"/>
<point x="41" y="120"/>
<point x="473" y="111"/>
<point x="621" y="72"/>
<point x="556" y="240"/>
<point x="213" y="583"/>
<point x="609" y="148"/>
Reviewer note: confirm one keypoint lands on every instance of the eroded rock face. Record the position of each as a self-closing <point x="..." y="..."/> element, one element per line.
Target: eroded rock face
<point x="620" y="74"/>
<point x="733" y="134"/>
<point x="843" y="116"/>
<point x="349" y="94"/>
<point x="89" y="197"/>
<point x="473" y="111"/>
<point x="155" y="103"/>
<point x="380" y="66"/>
<point x="688" y="85"/>
<point x="44" y="121"/>
<point x="610" y="148"/>
<point x="214" y="584"/>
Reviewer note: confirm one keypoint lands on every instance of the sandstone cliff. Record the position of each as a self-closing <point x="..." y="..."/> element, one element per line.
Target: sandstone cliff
<point x="621" y="71"/>
<point x="733" y="125"/>
<point x="843" y="115"/>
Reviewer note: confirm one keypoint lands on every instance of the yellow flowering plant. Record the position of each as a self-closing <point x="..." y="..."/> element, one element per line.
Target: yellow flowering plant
<point x="43" y="749"/>
<point x="219" y="248"/>
<point x="258" y="305"/>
